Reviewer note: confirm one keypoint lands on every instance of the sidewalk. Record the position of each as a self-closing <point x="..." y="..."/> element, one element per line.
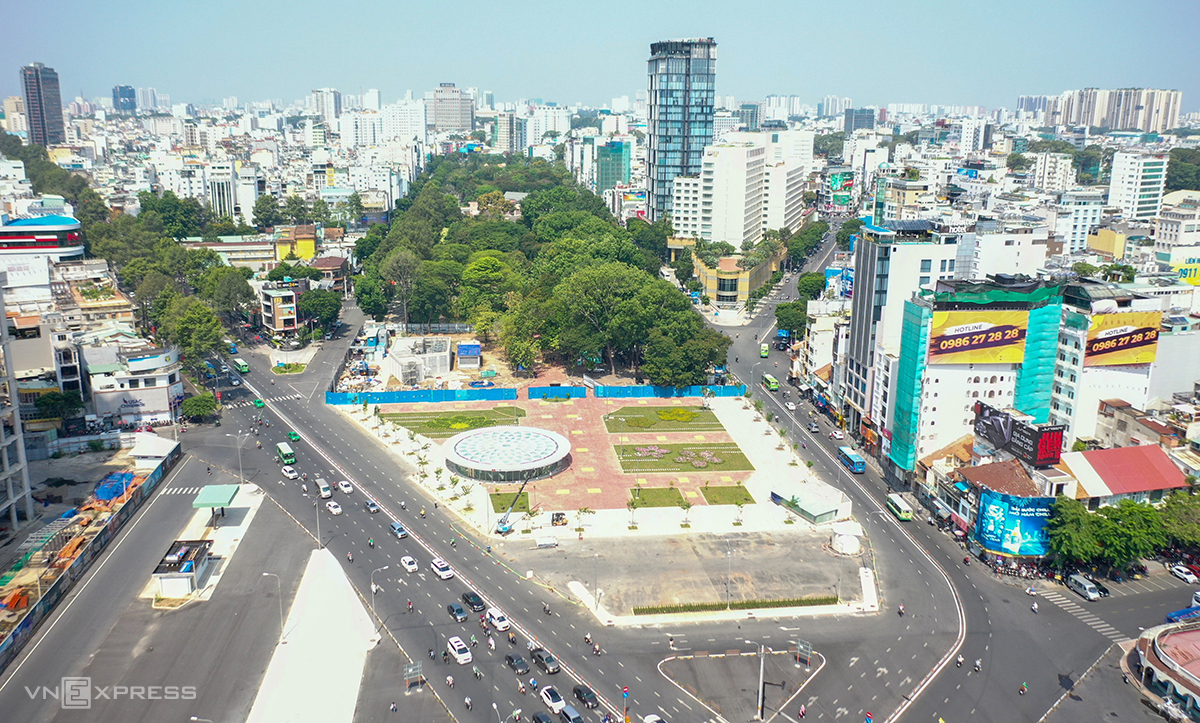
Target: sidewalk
<point x="316" y="670"/>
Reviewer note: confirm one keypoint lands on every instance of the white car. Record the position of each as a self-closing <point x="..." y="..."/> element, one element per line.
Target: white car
<point x="344" y="486"/>
<point x="333" y="507"/>
<point x="459" y="649"/>
<point x="290" y="472"/>
<point x="496" y="619"/>
<point x="1185" y="574"/>
<point x="791" y="406"/>
<point x="552" y="699"/>
<point x="409" y="564"/>
<point x="837" y="434"/>
<point x="441" y="568"/>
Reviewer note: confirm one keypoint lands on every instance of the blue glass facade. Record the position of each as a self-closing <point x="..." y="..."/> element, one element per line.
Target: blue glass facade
<point x="682" y="93"/>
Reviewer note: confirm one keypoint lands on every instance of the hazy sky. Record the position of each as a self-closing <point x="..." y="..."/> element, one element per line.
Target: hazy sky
<point x="875" y="51"/>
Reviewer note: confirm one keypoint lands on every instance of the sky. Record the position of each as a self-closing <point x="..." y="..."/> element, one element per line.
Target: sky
<point x="964" y="52"/>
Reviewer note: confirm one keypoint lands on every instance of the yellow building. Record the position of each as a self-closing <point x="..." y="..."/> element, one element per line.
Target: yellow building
<point x="676" y="245"/>
<point x="298" y="240"/>
<point x="1108" y="242"/>
<point x="729" y="284"/>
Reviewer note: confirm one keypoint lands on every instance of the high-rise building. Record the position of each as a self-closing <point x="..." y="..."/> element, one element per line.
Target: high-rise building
<point x="404" y="121"/>
<point x="730" y="208"/>
<point x="510" y="134"/>
<point x="147" y="99"/>
<point x="14" y="115"/>
<point x="327" y="103"/>
<point x="682" y="77"/>
<point x="14" y="473"/>
<point x="1053" y="172"/>
<point x="43" y="105"/>
<point x="748" y="116"/>
<point x="1078" y="211"/>
<point x="973" y="134"/>
<point x="1137" y="184"/>
<point x="450" y="109"/>
<point x="370" y="100"/>
<point x="856" y="118"/>
<point x="1150" y="110"/>
<point x="613" y="165"/>
<point x="124" y="99"/>
<point x="222" y="189"/>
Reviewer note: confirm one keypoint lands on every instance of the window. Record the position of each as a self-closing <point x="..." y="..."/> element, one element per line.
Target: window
<point x="151" y="382"/>
<point x="924" y="281"/>
<point x="943" y="264"/>
<point x="133" y="383"/>
<point x="173" y="378"/>
<point x="926" y="265"/>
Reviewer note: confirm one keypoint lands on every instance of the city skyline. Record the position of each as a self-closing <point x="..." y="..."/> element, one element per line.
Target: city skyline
<point x="824" y="51"/>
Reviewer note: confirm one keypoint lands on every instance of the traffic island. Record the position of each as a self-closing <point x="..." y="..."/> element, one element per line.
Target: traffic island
<point x="727" y="681"/>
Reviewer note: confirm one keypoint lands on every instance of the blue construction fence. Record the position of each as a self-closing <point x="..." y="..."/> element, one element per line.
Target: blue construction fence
<point x="634" y="391"/>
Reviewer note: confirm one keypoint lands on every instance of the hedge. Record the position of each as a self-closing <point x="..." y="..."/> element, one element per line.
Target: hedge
<point x="737" y="605"/>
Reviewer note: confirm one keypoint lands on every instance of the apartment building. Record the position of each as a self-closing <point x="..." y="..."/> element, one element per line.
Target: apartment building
<point x="1053" y="172"/>
<point x="730" y="203"/>
<point x="1138" y="180"/>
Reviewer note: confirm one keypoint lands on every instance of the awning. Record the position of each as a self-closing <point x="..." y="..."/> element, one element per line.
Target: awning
<point x="943" y="512"/>
<point x="962" y="486"/>
<point x="804" y="388"/>
<point x="215" y="496"/>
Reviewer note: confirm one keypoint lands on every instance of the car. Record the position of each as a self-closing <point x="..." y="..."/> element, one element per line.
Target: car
<point x="812" y="427"/>
<point x="585" y="696"/>
<point x="517" y="663"/>
<point x="371" y="506"/>
<point x="328" y="337"/>
<point x="1194" y="568"/>
<point x="1100" y="588"/>
<point x="1184" y="574"/>
<point x="653" y="719"/>
<point x="456" y="611"/>
<point x="496" y="619"/>
<point x="459" y="649"/>
<point x="333" y="507"/>
<point x="441" y="568"/>
<point x="234" y="382"/>
<point x="569" y="715"/>
<point x="290" y="472"/>
<point x="791" y="406"/>
<point x="259" y="404"/>
<point x="224" y="369"/>
<point x="837" y="434"/>
<point x="552" y="699"/>
<point x="345" y="486"/>
<point x="545" y="660"/>
<point x="409" y="564"/>
<point x="398" y="530"/>
<point x="294" y="436"/>
<point x="541" y="717"/>
<point x="474" y="602"/>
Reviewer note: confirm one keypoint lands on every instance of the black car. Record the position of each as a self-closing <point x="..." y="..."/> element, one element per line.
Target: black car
<point x="544" y="660"/>
<point x="541" y="717"/>
<point x="456" y="611"/>
<point x="585" y="696"/>
<point x="474" y="602"/>
<point x="1100" y="587"/>
<point x="517" y="663"/>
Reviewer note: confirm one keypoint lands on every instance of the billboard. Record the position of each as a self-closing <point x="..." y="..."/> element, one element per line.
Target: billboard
<point x="1124" y="338"/>
<point x="841" y="181"/>
<point x="997" y="431"/>
<point x="1009" y="525"/>
<point x="978" y="337"/>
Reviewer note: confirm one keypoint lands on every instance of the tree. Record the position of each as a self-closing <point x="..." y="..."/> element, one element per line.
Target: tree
<point x="792" y="317"/>
<point x="1085" y="270"/>
<point x="199" y="406"/>
<point x="1018" y="162"/>
<point x="1183" y="170"/>
<point x="401" y="270"/>
<point x="59" y="405"/>
<point x="233" y="295"/>
<point x="1129" y="530"/>
<point x="1071" y="531"/>
<point x="267" y="213"/>
<point x="848" y="229"/>
<point x="495" y="205"/>
<point x="684" y="267"/>
<point x="198" y="333"/>
<point x="485" y="320"/>
<point x="370" y="296"/>
<point x="295" y="210"/>
<point x="1181" y="518"/>
<point x="320" y="212"/>
<point x="687" y="509"/>
<point x="354" y="209"/>
<point x="810" y="198"/>
<point x="811" y="285"/>
<point x="1118" y="272"/>
<point x="322" y="305"/>
<point x="829" y="145"/>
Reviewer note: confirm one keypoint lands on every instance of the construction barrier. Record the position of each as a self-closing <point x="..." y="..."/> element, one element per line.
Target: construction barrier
<point x="647" y="390"/>
<point x="557" y="392"/>
<point x="421" y="395"/>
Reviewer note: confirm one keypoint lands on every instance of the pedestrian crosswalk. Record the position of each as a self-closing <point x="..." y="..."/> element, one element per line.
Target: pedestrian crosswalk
<point x="181" y="490"/>
<point x="250" y="402"/>
<point x="1078" y="611"/>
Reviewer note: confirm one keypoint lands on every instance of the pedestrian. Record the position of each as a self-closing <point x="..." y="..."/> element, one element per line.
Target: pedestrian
<point x="435" y="504"/>
<point x="209" y="469"/>
<point x="393" y="707"/>
<point x="803" y="711"/>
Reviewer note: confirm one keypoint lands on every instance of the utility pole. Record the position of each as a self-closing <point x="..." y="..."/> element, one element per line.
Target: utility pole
<point x="761" y="671"/>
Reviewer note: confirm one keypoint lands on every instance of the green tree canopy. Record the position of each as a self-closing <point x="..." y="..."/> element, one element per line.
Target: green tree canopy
<point x="1018" y="162"/>
<point x="1085" y="270"/>
<point x="792" y="317"/>
<point x="1072" y="531"/>
<point x="322" y="305"/>
<point x="199" y="406"/>
<point x="267" y="212"/>
<point x="59" y="405"/>
<point x="1181" y="518"/>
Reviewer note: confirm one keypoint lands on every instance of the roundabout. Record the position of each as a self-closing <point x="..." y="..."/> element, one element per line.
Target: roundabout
<point x="507" y="454"/>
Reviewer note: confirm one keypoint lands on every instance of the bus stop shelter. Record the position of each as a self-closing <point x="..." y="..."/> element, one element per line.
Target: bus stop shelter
<point x="215" y="497"/>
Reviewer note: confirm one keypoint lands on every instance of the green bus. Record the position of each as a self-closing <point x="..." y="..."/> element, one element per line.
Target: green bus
<point x="286" y="455"/>
<point x="898" y="507"/>
<point x="241" y="366"/>
<point x="770" y="383"/>
<point x="764" y="350"/>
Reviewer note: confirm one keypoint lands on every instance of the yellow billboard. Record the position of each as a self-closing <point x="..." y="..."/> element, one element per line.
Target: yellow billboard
<point x="1189" y="273"/>
<point x="978" y="337"/>
<point x="1124" y="338"/>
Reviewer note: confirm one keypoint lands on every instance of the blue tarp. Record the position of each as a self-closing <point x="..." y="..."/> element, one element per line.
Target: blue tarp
<point x="557" y="392"/>
<point x="113" y="485"/>
<point x="647" y="390"/>
<point x="424" y="395"/>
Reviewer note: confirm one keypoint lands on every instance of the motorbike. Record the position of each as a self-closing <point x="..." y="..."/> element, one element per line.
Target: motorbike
<point x="959" y="661"/>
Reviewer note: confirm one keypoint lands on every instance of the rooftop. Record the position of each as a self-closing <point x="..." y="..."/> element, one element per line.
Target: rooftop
<point x="1008" y="477"/>
<point x="1122" y="470"/>
<point x="45" y="221"/>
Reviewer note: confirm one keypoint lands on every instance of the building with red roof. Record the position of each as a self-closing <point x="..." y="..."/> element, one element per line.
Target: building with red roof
<point x="1106" y="476"/>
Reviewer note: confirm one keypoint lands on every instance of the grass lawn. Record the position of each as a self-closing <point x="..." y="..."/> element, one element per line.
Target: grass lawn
<point x="655" y="497"/>
<point x="288" y="368"/>
<point x="699" y="458"/>
<point x="440" y="423"/>
<point x="661" y="419"/>
<point x="501" y="501"/>
<point x="727" y="495"/>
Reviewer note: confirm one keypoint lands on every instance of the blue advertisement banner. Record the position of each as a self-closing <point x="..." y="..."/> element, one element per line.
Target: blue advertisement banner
<point x="1015" y="526"/>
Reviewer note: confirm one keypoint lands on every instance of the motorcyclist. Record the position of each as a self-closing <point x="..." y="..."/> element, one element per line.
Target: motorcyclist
<point x="450" y="680"/>
<point x="467" y="702"/>
<point x="370" y="542"/>
<point x="959" y="661"/>
<point x="350" y="556"/>
<point x="1034" y="606"/>
<point x="587" y="638"/>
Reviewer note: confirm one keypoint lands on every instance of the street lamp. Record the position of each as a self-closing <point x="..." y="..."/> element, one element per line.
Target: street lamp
<point x="516" y="712"/>
<point x="596" y="580"/>
<point x="241" y="437"/>
<point x="279" y="594"/>
<point x="756" y="365"/>
<point x="201" y="720"/>
<point x="761" y="663"/>
<point x="317" y="507"/>
<point x="378" y="569"/>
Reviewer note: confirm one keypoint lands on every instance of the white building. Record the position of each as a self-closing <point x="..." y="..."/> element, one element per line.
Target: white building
<point x="1137" y="184"/>
<point x="972" y="135"/>
<point x="783" y="196"/>
<point x="730" y="206"/>
<point x="1053" y="172"/>
<point x="1178" y="222"/>
<point x="1001" y="248"/>
<point x="189" y="181"/>
<point x="370" y="100"/>
<point x="222" y="189"/>
<point x="361" y="129"/>
<point x="404" y="121"/>
<point x="1076" y="214"/>
<point x="724" y="122"/>
<point x="131" y="380"/>
<point x="686" y="201"/>
<point x="249" y="181"/>
<point x="327" y="103"/>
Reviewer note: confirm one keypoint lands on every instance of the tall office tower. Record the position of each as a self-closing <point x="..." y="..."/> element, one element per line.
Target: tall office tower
<point x="327" y="103"/>
<point x="856" y="118"/>
<point x="370" y="100"/>
<point x="450" y="109"/>
<point x="680" y="115"/>
<point x="124" y="99"/>
<point x="404" y="121"/>
<point x="731" y="189"/>
<point x="43" y="105"/>
<point x="222" y="189"/>
<point x="486" y="100"/>
<point x="831" y="106"/>
<point x="14" y="474"/>
<point x="1137" y="185"/>
<point x="147" y="98"/>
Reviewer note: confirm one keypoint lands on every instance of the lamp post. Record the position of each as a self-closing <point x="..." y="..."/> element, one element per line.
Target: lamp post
<point x="516" y="712"/>
<point x="317" y="507"/>
<point x="279" y="594"/>
<point x="756" y="366"/>
<point x="378" y="569"/>
<point x="729" y="579"/>
<point x="240" y="437"/>
<point x="758" y="715"/>
<point x="200" y="720"/>
<point x="596" y="580"/>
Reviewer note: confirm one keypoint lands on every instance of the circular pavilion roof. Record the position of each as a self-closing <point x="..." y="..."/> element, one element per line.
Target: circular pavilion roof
<point x="507" y="449"/>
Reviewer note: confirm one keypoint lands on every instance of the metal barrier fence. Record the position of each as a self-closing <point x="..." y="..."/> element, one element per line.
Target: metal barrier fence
<point x="557" y="392"/>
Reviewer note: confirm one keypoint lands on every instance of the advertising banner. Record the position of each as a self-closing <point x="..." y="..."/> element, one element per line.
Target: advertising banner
<point x="1016" y="526"/>
<point x="1125" y="338"/>
<point x="978" y="337"/>
<point x="997" y="431"/>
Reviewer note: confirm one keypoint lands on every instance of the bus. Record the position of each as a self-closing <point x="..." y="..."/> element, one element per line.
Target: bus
<point x="764" y="350"/>
<point x="286" y="455"/>
<point x="241" y="366"/>
<point x="852" y="460"/>
<point x="1185" y="614"/>
<point x="770" y="383"/>
<point x="898" y="507"/>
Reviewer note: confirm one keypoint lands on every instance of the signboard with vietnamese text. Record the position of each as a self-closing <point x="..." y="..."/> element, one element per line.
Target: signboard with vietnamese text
<point x="1013" y="526"/>
<point x="978" y="337"/>
<point x="1123" y="338"/>
<point x="996" y="430"/>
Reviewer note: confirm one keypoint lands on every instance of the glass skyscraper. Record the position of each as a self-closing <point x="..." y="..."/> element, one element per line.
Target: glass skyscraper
<point x="43" y="105"/>
<point x="682" y="94"/>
